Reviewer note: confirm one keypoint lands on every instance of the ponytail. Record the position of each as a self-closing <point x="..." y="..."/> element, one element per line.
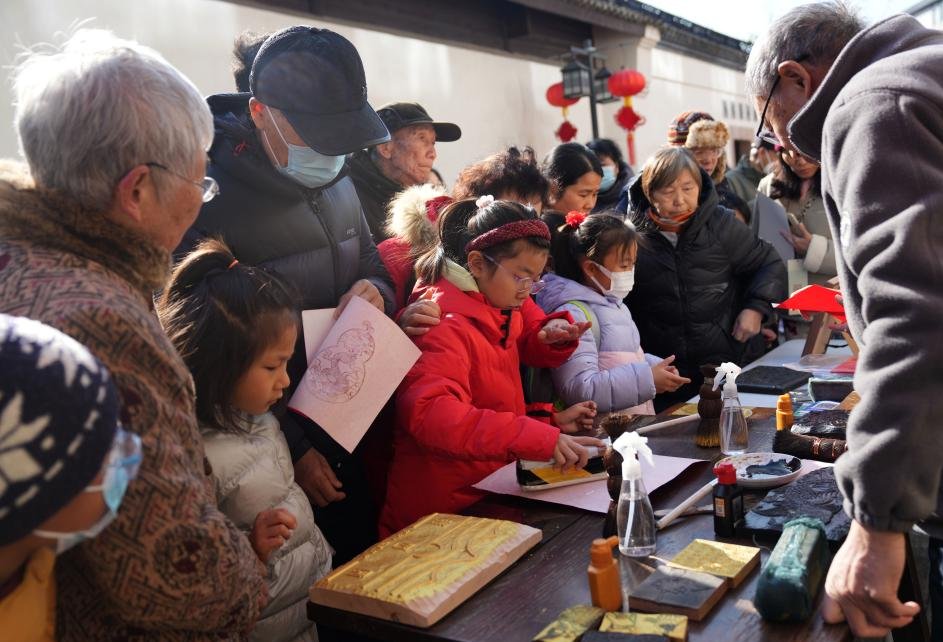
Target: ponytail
<point x="221" y="315"/>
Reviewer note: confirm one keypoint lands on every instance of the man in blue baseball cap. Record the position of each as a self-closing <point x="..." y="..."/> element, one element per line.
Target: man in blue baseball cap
<point x="286" y="204"/>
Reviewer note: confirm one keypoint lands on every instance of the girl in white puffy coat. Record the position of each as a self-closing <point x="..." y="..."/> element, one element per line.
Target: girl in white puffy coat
<point x="236" y="328"/>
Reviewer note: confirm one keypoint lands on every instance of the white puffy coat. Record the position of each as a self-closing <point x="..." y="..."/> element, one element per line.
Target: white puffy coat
<point x="253" y="472"/>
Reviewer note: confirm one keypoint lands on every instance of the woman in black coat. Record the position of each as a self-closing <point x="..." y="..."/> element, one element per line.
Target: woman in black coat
<point x="704" y="283"/>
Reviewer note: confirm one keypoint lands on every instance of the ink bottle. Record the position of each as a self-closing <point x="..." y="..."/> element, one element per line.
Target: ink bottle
<point x="728" y="500"/>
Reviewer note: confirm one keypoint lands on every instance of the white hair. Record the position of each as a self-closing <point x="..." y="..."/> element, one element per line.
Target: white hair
<point x="90" y="111"/>
<point x="818" y="32"/>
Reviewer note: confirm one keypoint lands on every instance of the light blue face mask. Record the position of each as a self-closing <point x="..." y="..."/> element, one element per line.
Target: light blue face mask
<point x="123" y="462"/>
<point x="608" y="177"/>
<point x="306" y="166"/>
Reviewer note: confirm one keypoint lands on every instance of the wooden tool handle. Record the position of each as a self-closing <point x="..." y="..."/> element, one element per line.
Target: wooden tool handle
<point x="670" y="422"/>
<point x="702" y="492"/>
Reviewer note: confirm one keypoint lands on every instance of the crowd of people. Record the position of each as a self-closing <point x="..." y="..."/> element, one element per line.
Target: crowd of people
<point x="156" y="250"/>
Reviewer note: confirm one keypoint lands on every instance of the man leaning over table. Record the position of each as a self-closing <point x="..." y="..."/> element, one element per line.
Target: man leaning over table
<point x="868" y="104"/>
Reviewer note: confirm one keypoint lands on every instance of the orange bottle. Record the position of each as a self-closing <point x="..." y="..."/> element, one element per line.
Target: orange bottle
<point x="784" y="417"/>
<point x="603" y="571"/>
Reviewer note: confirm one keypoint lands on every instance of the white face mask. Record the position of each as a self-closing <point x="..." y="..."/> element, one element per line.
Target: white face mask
<point x="305" y="165"/>
<point x="620" y="283"/>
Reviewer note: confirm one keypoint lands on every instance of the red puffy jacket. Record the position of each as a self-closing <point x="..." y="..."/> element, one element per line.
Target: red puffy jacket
<point x="460" y="411"/>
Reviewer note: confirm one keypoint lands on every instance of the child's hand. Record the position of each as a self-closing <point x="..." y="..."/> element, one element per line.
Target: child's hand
<point x="272" y="528"/>
<point x="577" y="417"/>
<point x="570" y="452"/>
<point x="666" y="376"/>
<point x="562" y="331"/>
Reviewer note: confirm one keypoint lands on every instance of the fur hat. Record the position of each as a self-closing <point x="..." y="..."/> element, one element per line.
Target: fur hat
<point x="412" y="214"/>
<point x="679" y="127"/>
<point x="707" y="133"/>
<point x="58" y="417"/>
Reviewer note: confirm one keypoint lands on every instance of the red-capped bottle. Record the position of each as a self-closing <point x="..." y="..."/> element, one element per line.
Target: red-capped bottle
<point x="728" y="500"/>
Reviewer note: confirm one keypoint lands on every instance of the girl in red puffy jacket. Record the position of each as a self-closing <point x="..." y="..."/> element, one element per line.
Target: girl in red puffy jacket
<point x="460" y="411"/>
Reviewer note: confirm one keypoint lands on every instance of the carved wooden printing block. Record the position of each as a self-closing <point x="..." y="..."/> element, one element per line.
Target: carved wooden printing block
<point x="427" y="569"/>
<point x="678" y="590"/>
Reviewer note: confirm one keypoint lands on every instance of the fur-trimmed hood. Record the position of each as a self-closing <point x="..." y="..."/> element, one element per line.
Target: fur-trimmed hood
<point x="50" y="219"/>
<point x="408" y="218"/>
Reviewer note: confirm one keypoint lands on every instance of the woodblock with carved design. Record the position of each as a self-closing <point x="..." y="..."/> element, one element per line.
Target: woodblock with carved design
<point x="423" y="572"/>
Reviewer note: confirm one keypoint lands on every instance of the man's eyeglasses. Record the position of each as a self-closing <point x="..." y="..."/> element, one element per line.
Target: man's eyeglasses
<point x="208" y="185"/>
<point x="524" y="283"/>
<point x="769" y="136"/>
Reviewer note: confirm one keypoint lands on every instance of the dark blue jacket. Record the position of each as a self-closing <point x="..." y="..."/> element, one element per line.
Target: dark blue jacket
<point x="315" y="239"/>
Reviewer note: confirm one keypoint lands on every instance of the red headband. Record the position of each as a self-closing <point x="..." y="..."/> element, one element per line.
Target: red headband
<point x="509" y="232"/>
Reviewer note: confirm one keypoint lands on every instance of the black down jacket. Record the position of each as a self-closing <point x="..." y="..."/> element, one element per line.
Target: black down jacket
<point x="315" y="239"/>
<point x="687" y="298"/>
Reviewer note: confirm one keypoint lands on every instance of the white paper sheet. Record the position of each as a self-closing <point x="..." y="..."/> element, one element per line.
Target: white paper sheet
<point x="353" y="371"/>
<point x="591" y="496"/>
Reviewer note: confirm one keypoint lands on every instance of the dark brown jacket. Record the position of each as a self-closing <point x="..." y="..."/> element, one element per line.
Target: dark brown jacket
<point x="171" y="566"/>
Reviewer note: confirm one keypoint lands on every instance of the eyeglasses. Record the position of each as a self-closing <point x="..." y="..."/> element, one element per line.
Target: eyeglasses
<point x="208" y="185"/>
<point x="769" y="136"/>
<point x="524" y="283"/>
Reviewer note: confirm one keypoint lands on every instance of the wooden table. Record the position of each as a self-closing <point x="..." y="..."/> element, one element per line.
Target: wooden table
<point x="552" y="577"/>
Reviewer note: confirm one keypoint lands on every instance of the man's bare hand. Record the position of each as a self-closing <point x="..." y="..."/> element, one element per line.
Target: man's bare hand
<point x="862" y="582"/>
<point x="366" y="291"/>
<point x="316" y="478"/>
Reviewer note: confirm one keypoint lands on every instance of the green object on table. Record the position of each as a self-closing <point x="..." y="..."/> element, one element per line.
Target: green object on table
<point x="790" y="580"/>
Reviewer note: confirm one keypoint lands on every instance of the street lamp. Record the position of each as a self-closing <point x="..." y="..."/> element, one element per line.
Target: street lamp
<point x="576" y="80"/>
<point x="601" y="81"/>
<point x="581" y="80"/>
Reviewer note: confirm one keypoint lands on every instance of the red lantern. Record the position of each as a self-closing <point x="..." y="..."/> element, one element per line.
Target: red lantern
<point x="566" y="132"/>
<point x="555" y="96"/>
<point x="626" y="82"/>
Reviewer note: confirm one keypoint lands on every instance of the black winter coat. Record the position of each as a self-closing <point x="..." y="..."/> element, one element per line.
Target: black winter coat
<point x="687" y="298"/>
<point x="608" y="200"/>
<point x="315" y="239"/>
<point x="374" y="190"/>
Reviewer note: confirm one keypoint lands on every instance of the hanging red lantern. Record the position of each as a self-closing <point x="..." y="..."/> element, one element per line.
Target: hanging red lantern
<point x="566" y="132"/>
<point x="555" y="96"/>
<point x="627" y="83"/>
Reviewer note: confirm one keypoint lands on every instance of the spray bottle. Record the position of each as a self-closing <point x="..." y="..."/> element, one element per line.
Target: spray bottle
<point x="635" y="520"/>
<point x="733" y="426"/>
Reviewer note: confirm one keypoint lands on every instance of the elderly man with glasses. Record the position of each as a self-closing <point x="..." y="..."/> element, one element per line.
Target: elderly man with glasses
<point x="115" y="142"/>
<point x="867" y="103"/>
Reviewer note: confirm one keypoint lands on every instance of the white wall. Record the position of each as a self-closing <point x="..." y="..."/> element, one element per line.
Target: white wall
<point x="497" y="100"/>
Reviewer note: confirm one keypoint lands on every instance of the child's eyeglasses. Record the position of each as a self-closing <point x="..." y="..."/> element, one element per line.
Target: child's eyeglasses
<point x="524" y="283"/>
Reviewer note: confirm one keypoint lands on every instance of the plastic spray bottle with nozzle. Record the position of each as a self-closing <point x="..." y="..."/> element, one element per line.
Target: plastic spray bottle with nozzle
<point x="635" y="520"/>
<point x="733" y="426"/>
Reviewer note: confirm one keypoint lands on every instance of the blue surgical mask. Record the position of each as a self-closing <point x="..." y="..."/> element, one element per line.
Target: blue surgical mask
<point x="305" y="166"/>
<point x="122" y="466"/>
<point x="608" y="177"/>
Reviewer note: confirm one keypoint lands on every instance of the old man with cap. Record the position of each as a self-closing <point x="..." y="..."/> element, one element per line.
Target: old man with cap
<point x="286" y="204"/>
<point x="382" y="171"/>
